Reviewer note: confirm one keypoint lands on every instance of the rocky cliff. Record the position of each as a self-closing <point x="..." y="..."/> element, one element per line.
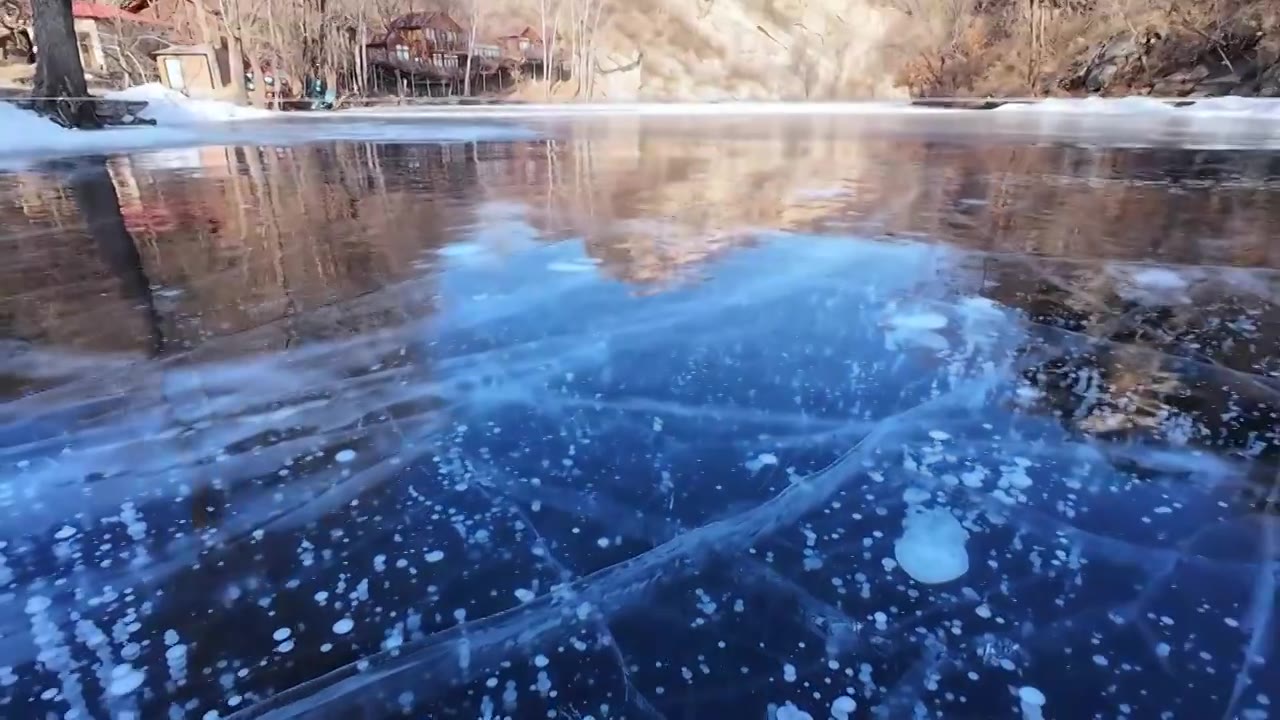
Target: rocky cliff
<point x="745" y="49"/>
<point x="1243" y="60"/>
<point x="829" y="49"/>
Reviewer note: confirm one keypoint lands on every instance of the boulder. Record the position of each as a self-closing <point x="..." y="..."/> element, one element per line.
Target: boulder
<point x="1180" y="84"/>
<point x="1269" y="81"/>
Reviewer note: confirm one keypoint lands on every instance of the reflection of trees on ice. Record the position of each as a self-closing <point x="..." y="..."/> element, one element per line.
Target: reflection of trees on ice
<point x="610" y="451"/>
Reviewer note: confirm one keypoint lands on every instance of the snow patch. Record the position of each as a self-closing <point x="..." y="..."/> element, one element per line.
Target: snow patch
<point x="1256" y="108"/>
<point x="28" y="134"/>
<point x="1160" y="279"/>
<point x="170" y="107"/>
<point x="917" y="321"/>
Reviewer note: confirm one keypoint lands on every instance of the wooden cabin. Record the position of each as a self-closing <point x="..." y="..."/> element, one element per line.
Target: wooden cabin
<point x="432" y="40"/>
<point x="525" y="46"/>
<point x="376" y="49"/>
<point x="424" y="52"/>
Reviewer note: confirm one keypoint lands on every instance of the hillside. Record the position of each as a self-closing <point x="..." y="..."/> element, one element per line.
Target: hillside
<point x="822" y="49"/>
<point x="801" y="49"/>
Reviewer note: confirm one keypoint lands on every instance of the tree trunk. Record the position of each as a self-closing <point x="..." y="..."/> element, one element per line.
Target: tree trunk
<point x="550" y="53"/>
<point x="545" y="76"/>
<point x="95" y="195"/>
<point x="232" y="23"/>
<point x="202" y="21"/>
<point x="60" y="88"/>
<point x="362" y="57"/>
<point x="235" y="60"/>
<point x="277" y="54"/>
<point x="471" y="47"/>
<point x="591" y="50"/>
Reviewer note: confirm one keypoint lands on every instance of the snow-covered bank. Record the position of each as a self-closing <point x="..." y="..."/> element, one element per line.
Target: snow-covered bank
<point x="177" y="119"/>
<point x="1222" y="123"/>
<point x="675" y="109"/>
<point x="1233" y="107"/>
<point x="1237" y="107"/>
<point x="185" y="122"/>
<point x="170" y="107"/>
<point x="28" y="135"/>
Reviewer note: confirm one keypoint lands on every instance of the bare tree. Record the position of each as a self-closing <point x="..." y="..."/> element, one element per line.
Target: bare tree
<point x="234" y="21"/>
<point x="585" y="18"/>
<point x="471" y="46"/>
<point x="60" y="90"/>
<point x="542" y="13"/>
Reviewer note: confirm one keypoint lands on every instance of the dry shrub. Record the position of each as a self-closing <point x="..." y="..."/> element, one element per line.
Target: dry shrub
<point x="1009" y="47"/>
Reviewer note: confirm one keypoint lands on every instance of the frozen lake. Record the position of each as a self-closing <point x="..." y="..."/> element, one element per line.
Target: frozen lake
<point x="896" y="416"/>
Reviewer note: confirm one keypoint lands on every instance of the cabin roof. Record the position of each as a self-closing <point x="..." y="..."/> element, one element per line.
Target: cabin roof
<point x="420" y="20"/>
<point x="99" y="11"/>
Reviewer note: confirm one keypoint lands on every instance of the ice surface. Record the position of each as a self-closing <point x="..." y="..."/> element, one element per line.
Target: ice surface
<point x="510" y="504"/>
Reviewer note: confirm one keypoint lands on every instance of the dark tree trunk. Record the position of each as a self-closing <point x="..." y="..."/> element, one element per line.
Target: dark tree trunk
<point x="60" y="89"/>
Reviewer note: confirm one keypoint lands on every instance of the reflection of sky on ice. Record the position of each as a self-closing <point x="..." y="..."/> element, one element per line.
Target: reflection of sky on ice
<point x="552" y="494"/>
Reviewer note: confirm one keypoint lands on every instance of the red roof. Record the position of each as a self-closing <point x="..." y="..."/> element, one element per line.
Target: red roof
<point x="99" y="11"/>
